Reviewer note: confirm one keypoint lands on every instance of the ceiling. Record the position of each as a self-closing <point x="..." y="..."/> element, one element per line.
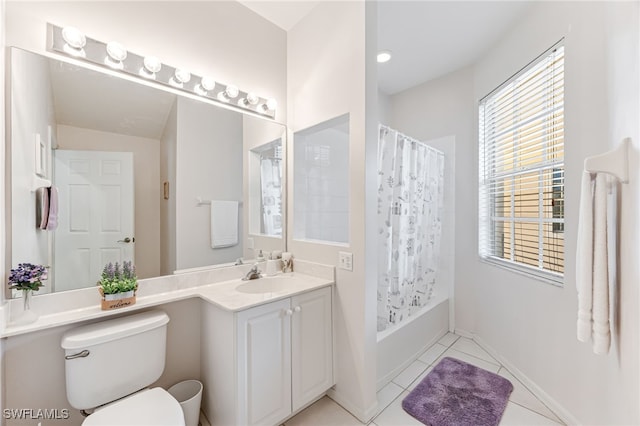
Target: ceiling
<point x="284" y="14"/>
<point x="428" y="39"/>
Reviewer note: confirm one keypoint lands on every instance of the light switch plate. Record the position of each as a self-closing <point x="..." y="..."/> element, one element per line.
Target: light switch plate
<point x="345" y="260"/>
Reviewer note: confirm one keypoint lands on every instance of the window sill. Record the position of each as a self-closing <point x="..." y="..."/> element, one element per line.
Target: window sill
<point x="554" y="279"/>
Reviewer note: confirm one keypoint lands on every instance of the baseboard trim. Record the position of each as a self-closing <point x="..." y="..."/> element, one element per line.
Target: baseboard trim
<point x="363" y="416"/>
<point x="464" y="333"/>
<point x="546" y="399"/>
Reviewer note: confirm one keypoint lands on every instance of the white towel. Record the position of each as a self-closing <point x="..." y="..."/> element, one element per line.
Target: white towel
<point x="595" y="265"/>
<point x="584" y="259"/>
<point x="224" y="223"/>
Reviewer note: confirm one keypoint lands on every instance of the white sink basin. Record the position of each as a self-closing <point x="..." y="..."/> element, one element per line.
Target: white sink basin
<point x="264" y="285"/>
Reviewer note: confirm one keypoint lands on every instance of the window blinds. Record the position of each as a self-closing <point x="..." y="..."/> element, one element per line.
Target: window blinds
<point x="521" y="138"/>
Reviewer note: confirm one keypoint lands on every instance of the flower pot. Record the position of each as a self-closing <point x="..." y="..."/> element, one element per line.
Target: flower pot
<point x="117" y="300"/>
<point x="118" y="296"/>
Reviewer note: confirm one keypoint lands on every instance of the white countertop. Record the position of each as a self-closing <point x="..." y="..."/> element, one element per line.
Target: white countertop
<point x="223" y="294"/>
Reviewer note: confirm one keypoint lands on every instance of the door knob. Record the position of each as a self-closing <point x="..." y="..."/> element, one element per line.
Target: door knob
<point x="127" y="240"/>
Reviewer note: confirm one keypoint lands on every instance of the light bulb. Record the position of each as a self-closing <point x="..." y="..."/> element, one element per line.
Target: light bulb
<point x="74" y="37"/>
<point x="231" y="91"/>
<point x="207" y="83"/>
<point x="74" y="41"/>
<point x="271" y="104"/>
<point x="183" y="76"/>
<point x="252" y="98"/>
<point x="179" y="78"/>
<point x="151" y="66"/>
<point x="116" y="53"/>
<point x="383" y="56"/>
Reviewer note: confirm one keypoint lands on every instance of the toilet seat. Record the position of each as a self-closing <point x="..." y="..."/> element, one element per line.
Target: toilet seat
<point x="152" y="407"/>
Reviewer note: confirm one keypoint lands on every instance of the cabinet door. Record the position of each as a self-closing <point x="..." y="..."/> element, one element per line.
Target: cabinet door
<point x="264" y="363"/>
<point x="311" y="346"/>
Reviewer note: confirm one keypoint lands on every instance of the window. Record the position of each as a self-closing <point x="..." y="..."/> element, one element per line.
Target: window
<point x="321" y="182"/>
<point x="521" y="138"/>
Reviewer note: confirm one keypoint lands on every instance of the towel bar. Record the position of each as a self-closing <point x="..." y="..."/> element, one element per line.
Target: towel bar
<point x="614" y="162"/>
<point x="202" y="202"/>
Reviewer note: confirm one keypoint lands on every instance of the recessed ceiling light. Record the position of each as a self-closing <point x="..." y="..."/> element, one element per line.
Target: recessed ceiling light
<point x="384" y="56"/>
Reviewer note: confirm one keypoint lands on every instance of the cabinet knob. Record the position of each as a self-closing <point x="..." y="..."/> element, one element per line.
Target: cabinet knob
<point x="297" y="309"/>
<point x="288" y="312"/>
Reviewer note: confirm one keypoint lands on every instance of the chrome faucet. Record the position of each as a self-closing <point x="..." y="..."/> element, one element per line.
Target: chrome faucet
<point x="253" y="274"/>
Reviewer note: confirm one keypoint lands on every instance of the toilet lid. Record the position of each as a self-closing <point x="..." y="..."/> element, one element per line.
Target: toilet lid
<point x="153" y="407"/>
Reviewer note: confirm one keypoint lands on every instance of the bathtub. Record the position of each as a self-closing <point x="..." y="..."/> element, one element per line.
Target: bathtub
<point x="402" y="344"/>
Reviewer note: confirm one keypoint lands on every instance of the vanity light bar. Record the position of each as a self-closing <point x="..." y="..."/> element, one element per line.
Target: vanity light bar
<point x="113" y="55"/>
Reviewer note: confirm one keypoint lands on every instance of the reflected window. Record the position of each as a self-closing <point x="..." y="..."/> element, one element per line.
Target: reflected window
<point x="267" y="159"/>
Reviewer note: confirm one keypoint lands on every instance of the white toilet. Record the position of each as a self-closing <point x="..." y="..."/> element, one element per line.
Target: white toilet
<point x="108" y="366"/>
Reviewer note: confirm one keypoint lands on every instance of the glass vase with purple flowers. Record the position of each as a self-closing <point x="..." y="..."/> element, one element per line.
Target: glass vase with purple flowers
<point x="27" y="278"/>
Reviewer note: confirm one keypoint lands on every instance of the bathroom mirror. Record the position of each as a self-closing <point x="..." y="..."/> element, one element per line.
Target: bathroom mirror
<point x="141" y="174"/>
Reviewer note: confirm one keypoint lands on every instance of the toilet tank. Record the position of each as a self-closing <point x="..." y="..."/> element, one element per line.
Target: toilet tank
<point x="124" y="355"/>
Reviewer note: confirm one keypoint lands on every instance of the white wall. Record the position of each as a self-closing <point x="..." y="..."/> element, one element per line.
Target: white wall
<point x="532" y="324"/>
<point x="209" y="160"/>
<point x="326" y="78"/>
<point x="146" y="181"/>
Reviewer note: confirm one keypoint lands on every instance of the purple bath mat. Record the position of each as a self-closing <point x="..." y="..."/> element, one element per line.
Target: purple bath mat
<point x="455" y="393"/>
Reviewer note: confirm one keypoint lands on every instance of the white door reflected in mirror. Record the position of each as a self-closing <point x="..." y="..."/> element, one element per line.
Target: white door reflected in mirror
<point x="97" y="188"/>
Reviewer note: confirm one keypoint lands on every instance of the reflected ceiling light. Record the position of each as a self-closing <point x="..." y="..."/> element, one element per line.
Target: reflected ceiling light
<point x="75" y="41"/>
<point x="383" y="56"/>
<point x="151" y="66"/>
<point x="69" y="41"/>
<point x="180" y="77"/>
<point x="116" y="53"/>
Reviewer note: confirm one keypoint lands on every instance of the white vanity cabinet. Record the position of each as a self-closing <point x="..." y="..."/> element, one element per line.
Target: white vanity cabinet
<point x="271" y="361"/>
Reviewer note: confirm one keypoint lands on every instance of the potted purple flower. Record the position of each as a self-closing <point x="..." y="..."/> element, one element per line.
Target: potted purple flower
<point x="28" y="278"/>
<point x="118" y="285"/>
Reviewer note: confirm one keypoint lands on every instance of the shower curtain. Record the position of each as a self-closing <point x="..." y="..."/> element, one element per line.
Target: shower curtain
<point x="410" y="198"/>
<point x="271" y="189"/>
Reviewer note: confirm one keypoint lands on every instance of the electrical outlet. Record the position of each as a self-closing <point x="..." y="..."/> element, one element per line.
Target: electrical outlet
<point x="345" y="260"/>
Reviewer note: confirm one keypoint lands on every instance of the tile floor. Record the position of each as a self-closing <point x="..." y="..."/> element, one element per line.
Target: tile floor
<point x="523" y="408"/>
